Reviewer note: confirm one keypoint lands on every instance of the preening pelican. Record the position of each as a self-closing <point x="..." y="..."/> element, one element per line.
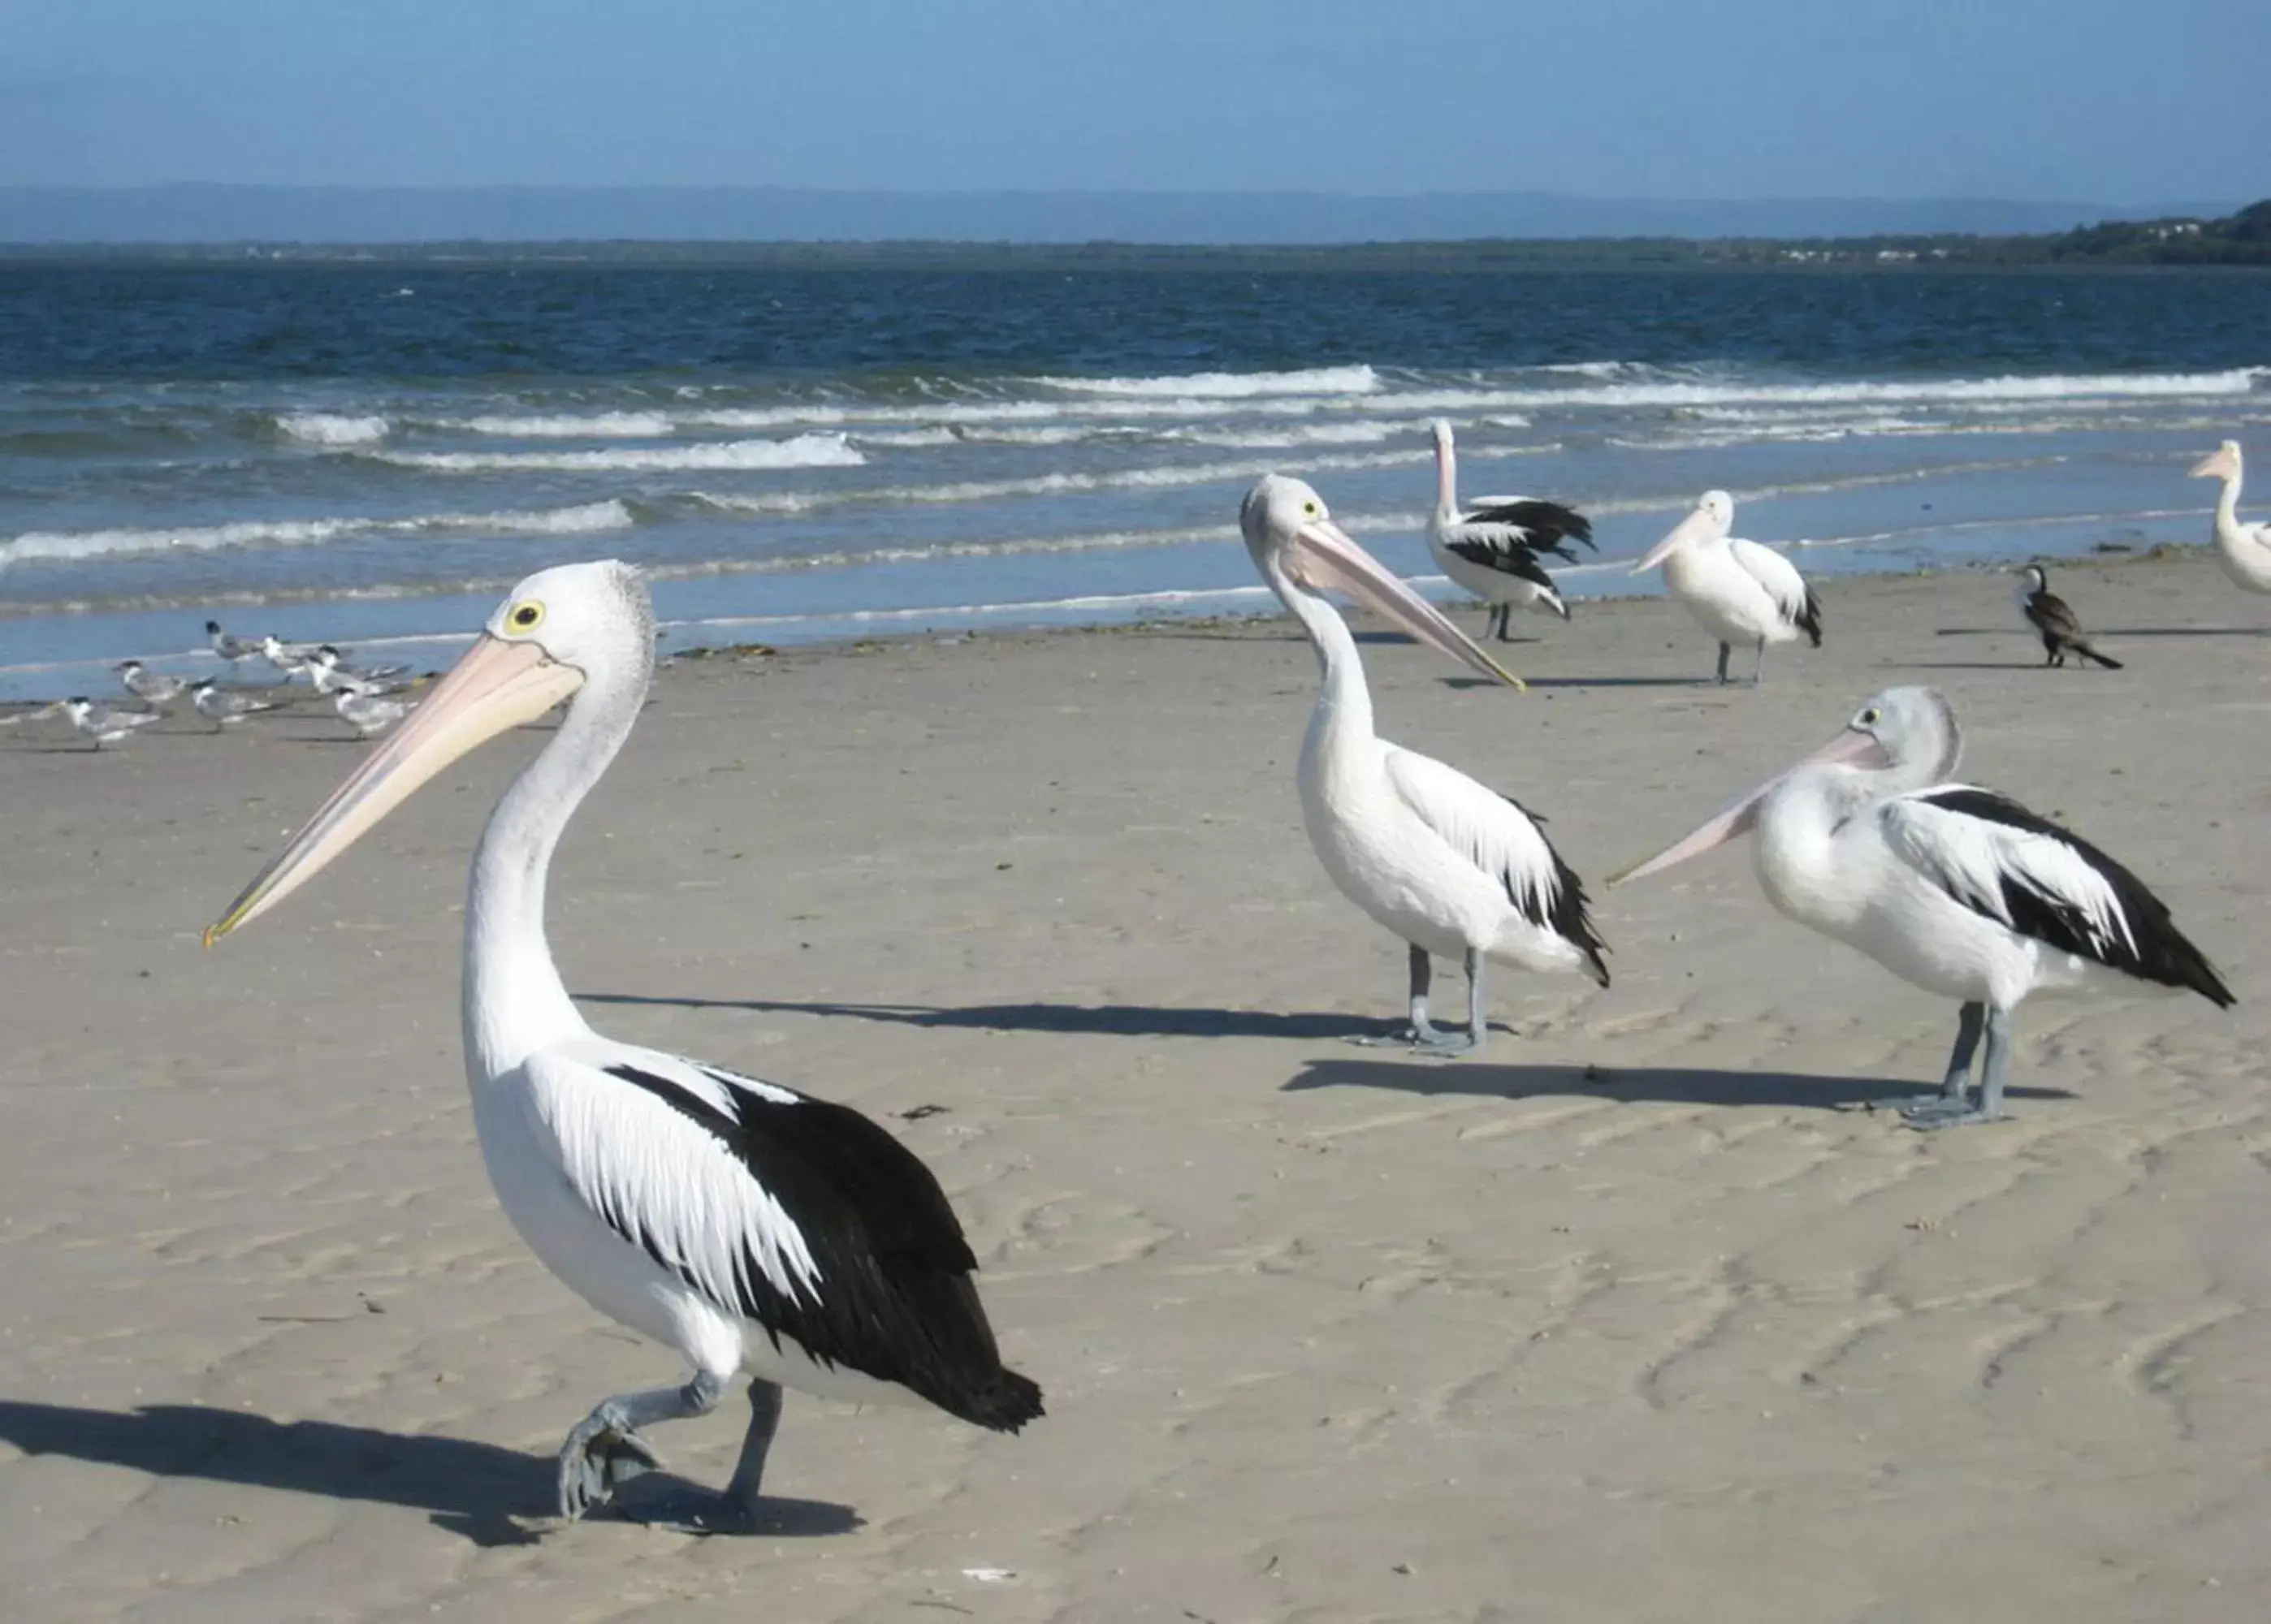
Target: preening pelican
<point x="1738" y="590"/>
<point x="1444" y="864"/>
<point x="749" y="1226"/>
<point x="2243" y="550"/>
<point x="1957" y="890"/>
<point x="2051" y="618"/>
<point x="1491" y="547"/>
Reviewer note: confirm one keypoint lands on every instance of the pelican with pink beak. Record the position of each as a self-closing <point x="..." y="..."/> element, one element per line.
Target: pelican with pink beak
<point x="1738" y="591"/>
<point x="1954" y="889"/>
<point x="755" y="1229"/>
<point x="1454" y="869"/>
<point x="2242" y="550"/>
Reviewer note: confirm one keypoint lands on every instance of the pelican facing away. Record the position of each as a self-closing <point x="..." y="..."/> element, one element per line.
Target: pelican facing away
<point x="1957" y="890"/>
<point x="1491" y="546"/>
<point x="1446" y="864"/>
<point x="2243" y="550"/>
<point x="749" y="1226"/>
<point x="1738" y="590"/>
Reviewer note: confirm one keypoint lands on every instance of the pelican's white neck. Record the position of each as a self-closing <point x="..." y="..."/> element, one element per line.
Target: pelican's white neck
<point x="514" y="1000"/>
<point x="1446" y="479"/>
<point x="1343" y="703"/>
<point x="1795" y="839"/>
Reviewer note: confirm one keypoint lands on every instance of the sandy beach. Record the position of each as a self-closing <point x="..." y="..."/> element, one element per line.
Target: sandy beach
<point x="1637" y="1318"/>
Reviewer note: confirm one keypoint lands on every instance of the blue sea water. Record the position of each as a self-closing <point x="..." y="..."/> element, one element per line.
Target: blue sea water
<point x="370" y="452"/>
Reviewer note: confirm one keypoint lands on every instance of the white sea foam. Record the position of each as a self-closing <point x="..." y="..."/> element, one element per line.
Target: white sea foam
<point x="803" y="451"/>
<point x="1358" y="380"/>
<point x="598" y="425"/>
<point x="327" y="428"/>
<point x="1362" y="433"/>
<point x="584" y="518"/>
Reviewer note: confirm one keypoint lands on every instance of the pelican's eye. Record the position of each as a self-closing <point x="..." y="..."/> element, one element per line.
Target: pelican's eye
<point x="1872" y="716"/>
<point x="1310" y="510"/>
<point x="525" y="617"/>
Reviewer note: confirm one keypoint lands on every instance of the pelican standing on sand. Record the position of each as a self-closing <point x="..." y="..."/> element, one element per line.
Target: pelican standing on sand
<point x="1491" y="547"/>
<point x="749" y="1226"/>
<point x="1957" y="890"/>
<point x="2053" y="619"/>
<point x="2243" y="550"/>
<point x="1444" y="864"/>
<point x="1738" y="590"/>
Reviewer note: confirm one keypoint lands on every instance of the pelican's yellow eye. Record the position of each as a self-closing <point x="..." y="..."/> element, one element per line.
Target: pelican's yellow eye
<point x="1310" y="509"/>
<point x="1872" y="716"/>
<point x="525" y="617"/>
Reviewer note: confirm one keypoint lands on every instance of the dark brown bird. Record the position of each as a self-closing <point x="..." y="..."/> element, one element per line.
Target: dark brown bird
<point x="2054" y="620"/>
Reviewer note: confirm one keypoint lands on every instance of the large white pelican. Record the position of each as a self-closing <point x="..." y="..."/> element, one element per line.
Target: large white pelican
<point x="1491" y="546"/>
<point x="1738" y="590"/>
<point x="2243" y="550"/>
<point x="1957" y="890"/>
<point x="1446" y="864"/>
<point x="747" y="1226"/>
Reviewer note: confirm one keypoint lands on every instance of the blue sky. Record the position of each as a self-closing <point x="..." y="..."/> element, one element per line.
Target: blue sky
<point x="2107" y="101"/>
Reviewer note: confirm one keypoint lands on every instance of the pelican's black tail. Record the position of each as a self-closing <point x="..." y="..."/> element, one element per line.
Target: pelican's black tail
<point x="1810" y="622"/>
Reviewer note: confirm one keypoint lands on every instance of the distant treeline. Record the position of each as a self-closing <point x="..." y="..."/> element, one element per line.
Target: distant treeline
<point x="2241" y="239"/>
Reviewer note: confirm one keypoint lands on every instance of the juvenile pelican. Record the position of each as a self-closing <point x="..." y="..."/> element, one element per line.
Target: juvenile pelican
<point x="1491" y="547"/>
<point x="749" y="1226"/>
<point x="2053" y="619"/>
<point x="150" y="687"/>
<point x="1738" y="590"/>
<point x="1957" y="890"/>
<point x="223" y="707"/>
<point x="105" y="726"/>
<point x="2243" y="550"/>
<point x="1429" y="854"/>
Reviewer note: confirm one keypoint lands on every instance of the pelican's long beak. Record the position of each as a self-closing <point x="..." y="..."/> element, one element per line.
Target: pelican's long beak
<point x="1325" y="558"/>
<point x="2215" y="465"/>
<point x="1690" y="528"/>
<point x="497" y="685"/>
<point x="1851" y="748"/>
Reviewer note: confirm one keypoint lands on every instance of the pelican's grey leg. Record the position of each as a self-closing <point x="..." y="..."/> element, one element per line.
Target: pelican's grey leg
<point x="735" y="1511"/>
<point x="1450" y="1045"/>
<point x="1994" y="1071"/>
<point x="1723" y="652"/>
<point x="1953" y="1093"/>
<point x="1759" y="670"/>
<point x="1419" y="1033"/>
<point x="606" y="1452"/>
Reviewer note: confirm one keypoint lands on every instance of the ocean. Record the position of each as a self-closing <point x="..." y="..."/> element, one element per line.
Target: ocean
<point x="369" y="453"/>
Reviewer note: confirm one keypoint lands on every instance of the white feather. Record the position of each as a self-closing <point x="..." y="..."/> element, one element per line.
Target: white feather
<point x="1777" y="574"/>
<point x="1484" y="827"/>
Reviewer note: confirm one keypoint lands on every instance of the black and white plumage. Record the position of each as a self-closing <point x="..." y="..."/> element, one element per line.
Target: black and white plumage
<point x="157" y="689"/>
<point x="223" y="706"/>
<point x="1955" y="889"/>
<point x="2053" y="619"/>
<point x="1491" y="546"/>
<point x="756" y="1229"/>
<point x="1449" y="866"/>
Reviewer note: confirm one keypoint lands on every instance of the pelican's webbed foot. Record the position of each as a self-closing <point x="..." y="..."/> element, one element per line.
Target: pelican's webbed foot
<point x="605" y="1451"/>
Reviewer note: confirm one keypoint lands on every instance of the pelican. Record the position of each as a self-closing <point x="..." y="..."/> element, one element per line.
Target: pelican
<point x="2050" y="615"/>
<point x="751" y="1227"/>
<point x="1738" y="590"/>
<point x="104" y="726"/>
<point x="1954" y="889"/>
<point x="221" y="707"/>
<point x="155" y="688"/>
<point x="1492" y="547"/>
<point x="2243" y="550"/>
<point x="1444" y="864"/>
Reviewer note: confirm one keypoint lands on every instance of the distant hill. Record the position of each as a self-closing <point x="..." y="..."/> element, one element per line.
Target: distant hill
<point x="208" y="214"/>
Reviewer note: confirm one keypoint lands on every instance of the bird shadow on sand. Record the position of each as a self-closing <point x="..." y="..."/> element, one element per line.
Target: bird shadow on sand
<point x="1630" y="1084"/>
<point x="2110" y="633"/>
<point x="1093" y="1019"/>
<point x="480" y="1492"/>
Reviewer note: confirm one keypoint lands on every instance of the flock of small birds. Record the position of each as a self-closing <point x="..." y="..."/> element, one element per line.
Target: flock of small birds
<point x="367" y="698"/>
